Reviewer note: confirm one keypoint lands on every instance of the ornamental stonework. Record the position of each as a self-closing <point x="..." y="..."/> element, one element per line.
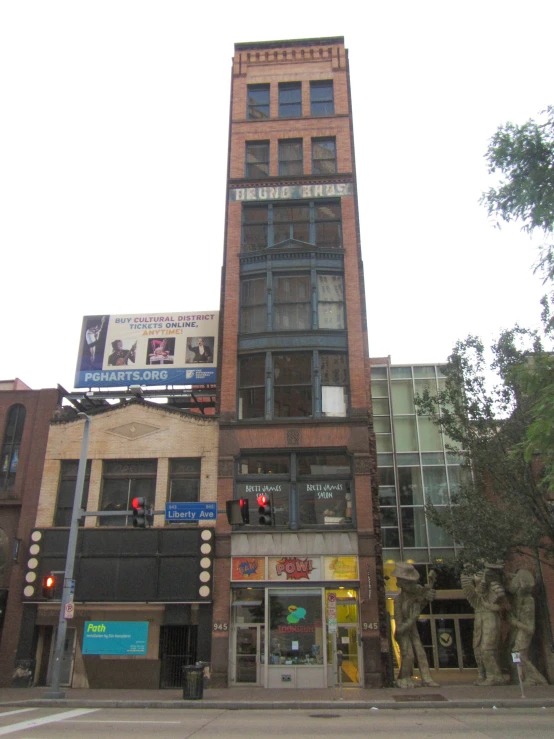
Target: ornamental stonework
<point x="362" y="464"/>
<point x="293" y="437"/>
<point x="225" y="467"/>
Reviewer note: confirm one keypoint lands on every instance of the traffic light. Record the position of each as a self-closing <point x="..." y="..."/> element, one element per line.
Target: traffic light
<point x="265" y="510"/>
<point x="237" y="511"/>
<point x="48" y="585"/>
<point x="139" y="513"/>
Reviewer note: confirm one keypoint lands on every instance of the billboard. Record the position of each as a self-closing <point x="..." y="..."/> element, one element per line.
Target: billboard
<point x="159" y="349"/>
<point x="115" y="637"/>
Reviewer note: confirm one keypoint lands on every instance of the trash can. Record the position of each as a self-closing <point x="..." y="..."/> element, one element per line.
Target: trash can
<point x="206" y="666"/>
<point x="193" y="683"/>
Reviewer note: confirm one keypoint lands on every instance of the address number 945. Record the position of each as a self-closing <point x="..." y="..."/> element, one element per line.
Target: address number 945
<point x="220" y="627"/>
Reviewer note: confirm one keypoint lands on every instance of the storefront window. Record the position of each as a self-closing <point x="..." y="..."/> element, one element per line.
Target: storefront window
<point x="296" y="627"/>
<point x="324" y="503"/>
<point x="248" y="606"/>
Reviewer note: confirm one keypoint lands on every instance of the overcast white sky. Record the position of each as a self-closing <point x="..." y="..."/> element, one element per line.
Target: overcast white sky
<point x="113" y="157"/>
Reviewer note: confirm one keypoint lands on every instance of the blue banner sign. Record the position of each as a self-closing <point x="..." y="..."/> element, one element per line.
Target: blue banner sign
<point x="115" y="637"/>
<point x="183" y="512"/>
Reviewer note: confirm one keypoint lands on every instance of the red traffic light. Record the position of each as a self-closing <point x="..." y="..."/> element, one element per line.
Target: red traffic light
<point x="48" y="585"/>
<point x="137" y="503"/>
<point x="263" y="499"/>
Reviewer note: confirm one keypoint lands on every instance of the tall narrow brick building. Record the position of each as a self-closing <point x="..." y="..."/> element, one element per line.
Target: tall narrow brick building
<point x="295" y="594"/>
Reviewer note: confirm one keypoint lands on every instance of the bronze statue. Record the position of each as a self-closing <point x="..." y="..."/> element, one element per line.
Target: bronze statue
<point x="408" y="605"/>
<point x="522" y="620"/>
<point x="484" y="591"/>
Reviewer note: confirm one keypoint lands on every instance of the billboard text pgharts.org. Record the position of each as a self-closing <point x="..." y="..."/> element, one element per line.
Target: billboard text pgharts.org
<point x="178" y="348"/>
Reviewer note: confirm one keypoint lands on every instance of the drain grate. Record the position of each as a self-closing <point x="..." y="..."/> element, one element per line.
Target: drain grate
<point x="414" y="698"/>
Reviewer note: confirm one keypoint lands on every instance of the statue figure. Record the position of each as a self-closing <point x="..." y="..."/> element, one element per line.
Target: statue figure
<point x="522" y="620"/>
<point x="484" y="591"/>
<point x="407" y="606"/>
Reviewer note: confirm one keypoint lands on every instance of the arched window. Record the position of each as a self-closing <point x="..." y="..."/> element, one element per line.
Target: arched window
<point x="10" y="446"/>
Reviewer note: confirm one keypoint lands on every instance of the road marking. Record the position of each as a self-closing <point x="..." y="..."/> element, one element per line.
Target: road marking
<point x="45" y="720"/>
<point x="115" y="721"/>
<point x="19" y="710"/>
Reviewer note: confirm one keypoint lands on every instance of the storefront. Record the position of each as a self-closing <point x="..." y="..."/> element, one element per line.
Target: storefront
<point x="291" y="617"/>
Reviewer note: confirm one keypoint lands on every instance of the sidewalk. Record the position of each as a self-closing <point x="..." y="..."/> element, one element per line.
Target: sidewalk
<point x="448" y="696"/>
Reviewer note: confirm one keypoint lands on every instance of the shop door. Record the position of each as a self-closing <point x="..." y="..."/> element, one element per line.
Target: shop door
<point x="249" y="646"/>
<point x="66" y="667"/>
<point x="347" y="643"/>
<point x="453" y="642"/>
<point x="178" y="645"/>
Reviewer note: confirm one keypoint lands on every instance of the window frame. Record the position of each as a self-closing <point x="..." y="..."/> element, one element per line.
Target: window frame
<point x="291" y="166"/>
<point x="262" y="164"/>
<point x="285" y="107"/>
<point x="267" y="360"/>
<point x="293" y="484"/>
<point x="11" y="445"/>
<point x="256" y="106"/>
<point x="131" y="476"/>
<point x="322" y="141"/>
<point x="64" y="512"/>
<point x="324" y="102"/>
<point x="266" y="224"/>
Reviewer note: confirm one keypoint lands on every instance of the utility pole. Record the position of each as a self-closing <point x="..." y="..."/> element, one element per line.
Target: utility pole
<point x="69" y="583"/>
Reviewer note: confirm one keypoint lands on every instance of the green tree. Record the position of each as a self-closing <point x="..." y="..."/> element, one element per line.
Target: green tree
<point x="502" y="506"/>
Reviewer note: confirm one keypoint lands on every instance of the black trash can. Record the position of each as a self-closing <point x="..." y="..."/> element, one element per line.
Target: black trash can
<point x="193" y="683"/>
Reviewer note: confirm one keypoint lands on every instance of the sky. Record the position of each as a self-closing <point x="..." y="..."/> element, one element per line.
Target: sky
<point x="113" y="158"/>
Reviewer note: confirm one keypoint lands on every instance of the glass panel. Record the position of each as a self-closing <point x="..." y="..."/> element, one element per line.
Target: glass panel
<point x="324" y="464"/>
<point x="252" y="370"/>
<point x="295" y="317"/>
<point x="328" y="234"/>
<point x="389" y="516"/>
<point x="458" y="476"/>
<point x="398" y="372"/>
<point x="330" y="290"/>
<point x="290" y="99"/>
<point x="254" y="237"/>
<point x="266" y="465"/>
<point x="291" y="213"/>
<point x="428" y="371"/>
<point x="379" y="372"/>
<point x="391" y="539"/>
<point x="386" y="475"/>
<point x="407" y="460"/>
<point x="292" y="402"/>
<point x="466" y="642"/>
<point x="190" y="466"/>
<point x="411" y="490"/>
<point x="255" y="214"/>
<point x="385" y="460"/>
<point x="258" y="102"/>
<point x="383" y="443"/>
<point x="422" y="385"/>
<point x="429" y="458"/>
<point x="446" y="642"/>
<point x="248" y="605"/>
<point x="402" y="398"/>
<point x="333" y="369"/>
<point x="184" y="490"/>
<point x="414" y="533"/>
<point x="381" y="407"/>
<point x="434" y="485"/>
<point x="253" y="292"/>
<point x="330" y="316"/>
<point x="424" y="629"/>
<point x="379" y="389"/>
<point x="324" y="157"/>
<point x="296" y="627"/>
<point x="429" y="435"/>
<point x="321" y="98"/>
<point x="334" y="401"/>
<point x="438" y="537"/>
<point x="252" y="403"/>
<point x="290" y="158"/>
<point x="347" y="642"/>
<point x="292" y="369"/>
<point x="387" y="495"/>
<point x="247" y="654"/>
<point x="405" y="435"/>
<point x="257" y="160"/>
<point x="253" y="320"/>
<point x="381" y="425"/>
<point x="324" y="503"/>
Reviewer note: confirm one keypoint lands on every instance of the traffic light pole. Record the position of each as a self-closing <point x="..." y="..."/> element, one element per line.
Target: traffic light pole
<point x="68" y="583"/>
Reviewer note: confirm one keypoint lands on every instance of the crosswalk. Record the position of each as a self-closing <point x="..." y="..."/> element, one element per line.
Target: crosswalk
<point x="33" y="723"/>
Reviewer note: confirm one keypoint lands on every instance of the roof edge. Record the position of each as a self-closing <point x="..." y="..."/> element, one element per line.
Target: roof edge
<point x="257" y="45"/>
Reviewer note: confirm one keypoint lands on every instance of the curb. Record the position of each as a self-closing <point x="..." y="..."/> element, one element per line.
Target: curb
<point x="286" y="705"/>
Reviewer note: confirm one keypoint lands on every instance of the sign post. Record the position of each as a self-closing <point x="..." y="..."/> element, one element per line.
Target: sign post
<point x="516" y="659"/>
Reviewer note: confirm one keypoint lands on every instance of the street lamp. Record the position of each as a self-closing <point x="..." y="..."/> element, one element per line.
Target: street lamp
<point x="68" y="583"/>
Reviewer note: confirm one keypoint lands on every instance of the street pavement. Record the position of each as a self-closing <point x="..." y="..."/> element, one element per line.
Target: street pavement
<point x="444" y="697"/>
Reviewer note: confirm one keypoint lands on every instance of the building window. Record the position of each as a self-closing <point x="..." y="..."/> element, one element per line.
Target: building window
<point x="122" y="481"/>
<point x="307" y="490"/>
<point x="66" y="492"/>
<point x="258" y="102"/>
<point x="252" y="386"/>
<point x="290" y="99"/>
<point x="334" y="384"/>
<point x="290" y="158"/>
<point x="11" y="445"/>
<point x="324" y="156"/>
<point x="330" y="301"/>
<point x="184" y="481"/>
<point x="291" y="306"/>
<point x="253" y="305"/>
<point x="313" y="222"/>
<point x="321" y="98"/>
<point x="292" y="303"/>
<point x="293" y="385"/>
<point x="257" y="159"/>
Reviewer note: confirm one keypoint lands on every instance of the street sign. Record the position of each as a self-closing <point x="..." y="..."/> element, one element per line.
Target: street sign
<point x="182" y="512"/>
<point x="69" y="610"/>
